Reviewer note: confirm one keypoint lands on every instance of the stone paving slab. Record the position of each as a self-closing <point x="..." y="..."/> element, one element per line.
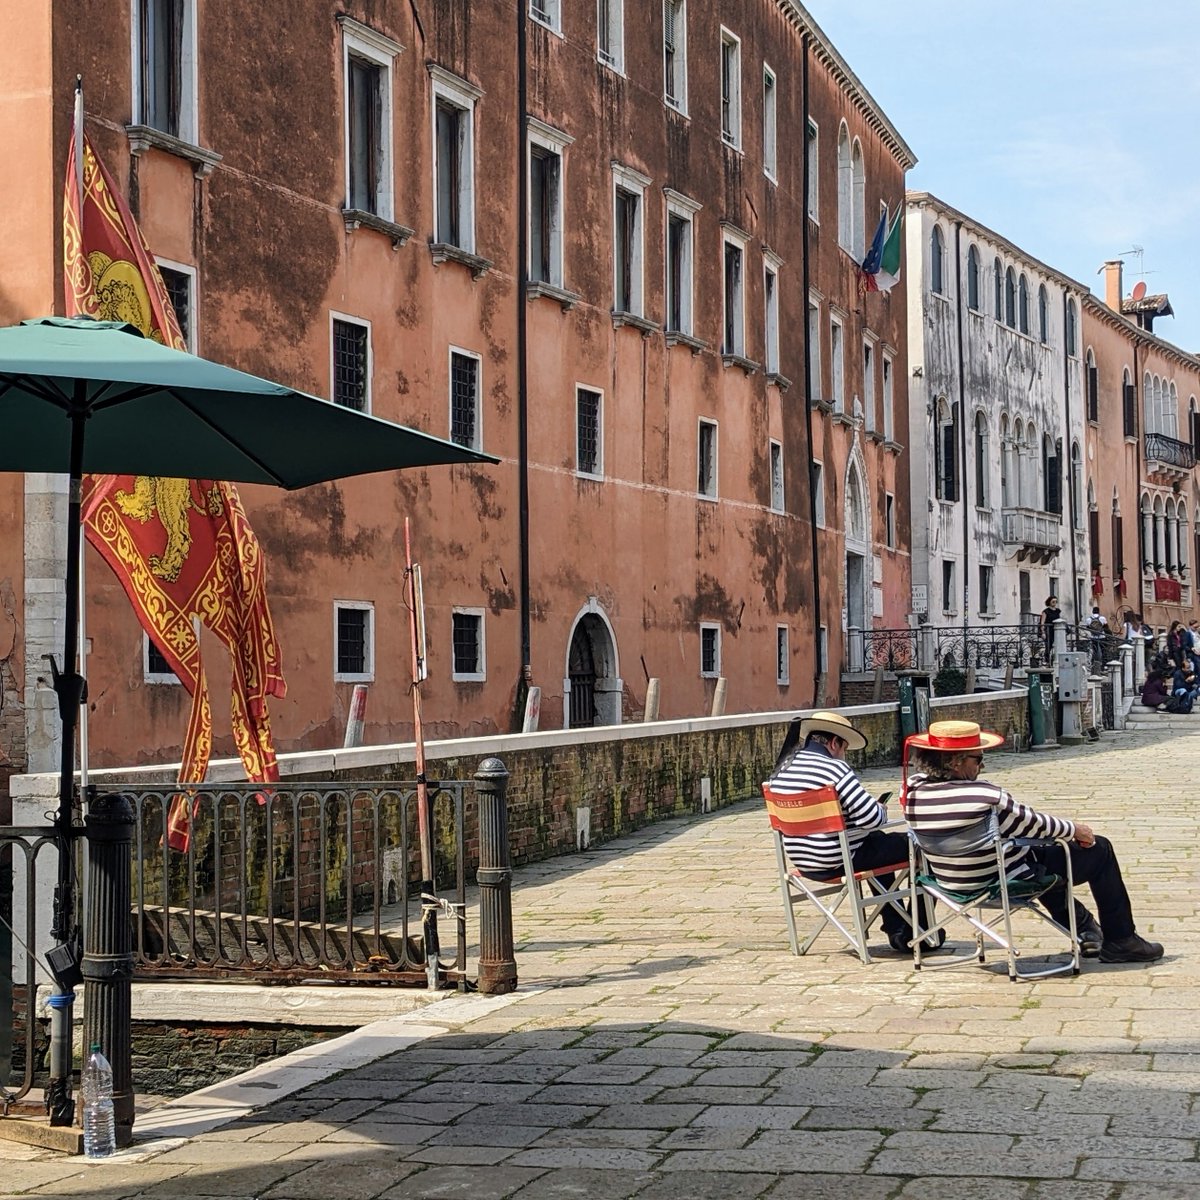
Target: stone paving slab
<point x="665" y="1045"/>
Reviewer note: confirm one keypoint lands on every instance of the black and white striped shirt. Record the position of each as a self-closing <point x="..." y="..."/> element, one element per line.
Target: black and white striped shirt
<point x="815" y="767"/>
<point x="947" y="806"/>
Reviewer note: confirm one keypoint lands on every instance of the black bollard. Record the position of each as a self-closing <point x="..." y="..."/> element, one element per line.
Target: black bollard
<point x="497" y="965"/>
<point x="108" y="947"/>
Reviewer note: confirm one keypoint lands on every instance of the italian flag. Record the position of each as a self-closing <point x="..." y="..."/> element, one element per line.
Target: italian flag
<point x="889" y="261"/>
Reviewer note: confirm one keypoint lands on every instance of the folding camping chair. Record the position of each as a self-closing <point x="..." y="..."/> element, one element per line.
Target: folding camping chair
<point x="819" y="811"/>
<point x="989" y="910"/>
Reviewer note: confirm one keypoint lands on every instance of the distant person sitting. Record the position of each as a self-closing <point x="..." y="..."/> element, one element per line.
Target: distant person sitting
<point x="1154" y="690"/>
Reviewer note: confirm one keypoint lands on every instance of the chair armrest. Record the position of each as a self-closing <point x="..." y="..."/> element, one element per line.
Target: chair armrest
<point x="1037" y="841"/>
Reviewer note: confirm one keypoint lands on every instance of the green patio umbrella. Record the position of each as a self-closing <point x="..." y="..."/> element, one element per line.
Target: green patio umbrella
<point x="78" y="395"/>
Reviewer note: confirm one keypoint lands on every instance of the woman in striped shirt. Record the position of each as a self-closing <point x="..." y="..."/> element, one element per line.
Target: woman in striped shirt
<point x="946" y="795"/>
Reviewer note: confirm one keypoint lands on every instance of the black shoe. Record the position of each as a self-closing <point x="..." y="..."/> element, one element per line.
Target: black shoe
<point x="1091" y="936"/>
<point x="901" y="941"/>
<point x="1133" y="949"/>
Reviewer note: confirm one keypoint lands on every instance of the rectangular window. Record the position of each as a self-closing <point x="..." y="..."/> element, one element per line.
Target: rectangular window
<point x="889" y="416"/>
<point x="546" y="146"/>
<point x="868" y="398"/>
<point x="155" y="668"/>
<point x="628" y="240"/>
<point x="351" y="368"/>
<point x="770" y="125"/>
<point x="733" y="339"/>
<point x="1094" y="538"/>
<point x="776" y="477"/>
<point x="464" y="398"/>
<point x="985" y="590"/>
<point x="947" y="586"/>
<point x="783" y="658"/>
<point x="467" y="645"/>
<point x="547" y="12"/>
<point x="588" y="440"/>
<point x="889" y="519"/>
<point x="814" y="350"/>
<point x="453" y="160"/>
<point x="675" y="53"/>
<point x="367" y="59"/>
<point x="610" y="33"/>
<point x="1129" y="406"/>
<point x="706" y="456"/>
<point x="710" y="651"/>
<point x="1093" y="393"/>
<point x="837" y="366"/>
<point x="731" y="89"/>
<point x="164" y="76"/>
<point x="1118" y="546"/>
<point x="818" y="492"/>
<point x="679" y="254"/>
<point x="947" y="453"/>
<point x="180" y="283"/>
<point x="354" y="641"/>
<point x="814" y="159"/>
<point x="771" y="313"/>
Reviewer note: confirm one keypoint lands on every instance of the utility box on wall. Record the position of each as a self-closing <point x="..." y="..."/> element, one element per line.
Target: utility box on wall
<point x="1072" y="675"/>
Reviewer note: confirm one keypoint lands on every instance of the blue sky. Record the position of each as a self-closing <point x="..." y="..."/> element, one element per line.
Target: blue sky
<point x="1069" y="127"/>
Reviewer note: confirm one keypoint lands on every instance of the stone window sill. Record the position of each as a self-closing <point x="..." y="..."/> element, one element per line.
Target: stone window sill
<point x="143" y="137"/>
<point x="782" y="382"/>
<point x="738" y="360"/>
<point x="644" y="324"/>
<point x="355" y="218"/>
<point x="537" y="289"/>
<point x="676" y="338"/>
<point x="445" y="252"/>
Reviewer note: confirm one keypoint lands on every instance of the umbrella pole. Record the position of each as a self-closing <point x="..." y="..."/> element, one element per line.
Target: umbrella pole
<point x="429" y="904"/>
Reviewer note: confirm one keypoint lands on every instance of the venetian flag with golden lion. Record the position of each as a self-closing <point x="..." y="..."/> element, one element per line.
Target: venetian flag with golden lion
<point x="182" y="549"/>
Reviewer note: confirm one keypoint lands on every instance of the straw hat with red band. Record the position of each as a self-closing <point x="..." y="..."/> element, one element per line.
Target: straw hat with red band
<point x="951" y="737"/>
<point x="835" y="723"/>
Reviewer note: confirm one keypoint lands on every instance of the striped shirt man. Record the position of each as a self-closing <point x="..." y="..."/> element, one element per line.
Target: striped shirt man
<point x="814" y="767"/>
<point x="942" y="806"/>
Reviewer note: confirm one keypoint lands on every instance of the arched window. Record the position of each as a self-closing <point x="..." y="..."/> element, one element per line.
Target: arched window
<point x="998" y="287"/>
<point x="1091" y="386"/>
<point x="1160" y="539"/>
<point x="1043" y="315"/>
<point x="1076" y="497"/>
<point x="1171" y="413"/>
<point x="1020" y="483"/>
<point x="1118" y="538"/>
<point x="1010" y="299"/>
<point x="1051" y="476"/>
<point x="937" y="255"/>
<point x="1183" y="540"/>
<point x="859" y="206"/>
<point x="845" y="190"/>
<point x="1007" y="469"/>
<point x="981" y="460"/>
<point x="1030" y="491"/>
<point x="1072" y="329"/>
<point x="1023" y="305"/>
<point x="973" y="279"/>
<point x="1147" y="536"/>
<point x="1149" y="404"/>
<point x="946" y="449"/>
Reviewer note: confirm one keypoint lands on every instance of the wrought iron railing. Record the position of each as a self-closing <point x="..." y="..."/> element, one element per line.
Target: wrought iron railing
<point x="989" y="646"/>
<point x="1169" y="450"/>
<point x="296" y="881"/>
<point x="891" y="649"/>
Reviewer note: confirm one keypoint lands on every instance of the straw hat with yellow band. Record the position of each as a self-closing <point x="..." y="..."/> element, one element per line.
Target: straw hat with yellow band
<point x="834" y="723"/>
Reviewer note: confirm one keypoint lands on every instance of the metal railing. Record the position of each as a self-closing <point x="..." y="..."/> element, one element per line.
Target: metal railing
<point x="994" y="646"/>
<point x="296" y="881"/>
<point x="891" y="649"/>
<point x="1169" y="450"/>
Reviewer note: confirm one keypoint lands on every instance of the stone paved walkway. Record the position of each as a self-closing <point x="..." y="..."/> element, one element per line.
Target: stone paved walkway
<point x="665" y="1044"/>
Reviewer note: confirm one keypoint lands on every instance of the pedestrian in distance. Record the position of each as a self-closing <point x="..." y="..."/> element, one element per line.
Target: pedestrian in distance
<point x="1050" y="614"/>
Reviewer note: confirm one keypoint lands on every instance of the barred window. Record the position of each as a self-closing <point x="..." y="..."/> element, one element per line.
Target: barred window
<point x="587" y="421"/>
<point x="467" y="644"/>
<point x="710" y="651"/>
<point x="464" y="399"/>
<point x="350" y="364"/>
<point x="353" y="633"/>
<point x="706" y="453"/>
<point x="179" y="292"/>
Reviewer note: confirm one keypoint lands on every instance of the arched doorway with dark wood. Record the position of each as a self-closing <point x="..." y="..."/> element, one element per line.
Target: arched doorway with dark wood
<point x="592" y="687"/>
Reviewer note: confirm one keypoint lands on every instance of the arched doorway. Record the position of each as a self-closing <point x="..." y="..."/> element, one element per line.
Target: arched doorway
<point x="856" y="612"/>
<point x="592" y="688"/>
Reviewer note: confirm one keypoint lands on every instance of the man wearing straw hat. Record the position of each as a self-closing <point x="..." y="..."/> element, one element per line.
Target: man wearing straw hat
<point x="813" y="756"/>
<point x="947" y="794"/>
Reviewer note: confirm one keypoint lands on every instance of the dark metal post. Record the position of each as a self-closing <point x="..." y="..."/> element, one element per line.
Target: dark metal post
<point x="108" y="947"/>
<point x="497" y="965"/>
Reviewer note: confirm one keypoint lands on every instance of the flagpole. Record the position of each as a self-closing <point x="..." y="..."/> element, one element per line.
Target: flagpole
<point x="83" y="643"/>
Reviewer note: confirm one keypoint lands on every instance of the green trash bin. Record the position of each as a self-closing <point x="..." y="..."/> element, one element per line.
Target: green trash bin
<point x="1041" y="707"/>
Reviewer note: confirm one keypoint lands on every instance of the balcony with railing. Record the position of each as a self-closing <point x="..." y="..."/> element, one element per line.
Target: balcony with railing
<point x="1168" y="456"/>
<point x="1034" y="534"/>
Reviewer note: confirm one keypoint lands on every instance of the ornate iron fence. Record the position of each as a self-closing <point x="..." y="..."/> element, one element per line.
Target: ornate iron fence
<point x="1160" y="448"/>
<point x="892" y="649"/>
<point x="989" y="646"/>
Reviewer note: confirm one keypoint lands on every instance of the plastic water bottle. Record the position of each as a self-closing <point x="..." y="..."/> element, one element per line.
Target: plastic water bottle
<point x="99" y="1125"/>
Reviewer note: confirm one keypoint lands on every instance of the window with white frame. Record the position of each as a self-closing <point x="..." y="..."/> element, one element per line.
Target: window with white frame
<point x="948" y="589"/>
<point x="629" y="195"/>
<point x="1072" y="331"/>
<point x="937" y="256"/>
<point x="889" y="406"/>
<point x="818" y="493"/>
<point x="680" y="251"/>
<point x="889" y="519"/>
<point x="468" y="664"/>
<point x="589" y="436"/>
<point x="858" y="209"/>
<point x="180" y="282"/>
<point x="814" y="348"/>
<point x="814" y="161"/>
<point x="733" y="257"/>
<point x="706" y="460"/>
<point x="783" y="658"/>
<point x="837" y="365"/>
<point x="771" y="265"/>
<point x="845" y="181"/>
<point x="453" y="159"/>
<point x="548" y="13"/>
<point x="367" y="59"/>
<point x="770" y="124"/>
<point x="987" y="603"/>
<point x="164" y="66"/>
<point x="546" y="173"/>
<point x="465" y="370"/>
<point x="710" y="650"/>
<point x="610" y="33"/>
<point x="350" y="363"/>
<point x="868" y="396"/>
<point x="155" y="667"/>
<point x="776" y="451"/>
<point x="353" y="641"/>
<point x="731" y="89"/>
<point x="675" y="53"/>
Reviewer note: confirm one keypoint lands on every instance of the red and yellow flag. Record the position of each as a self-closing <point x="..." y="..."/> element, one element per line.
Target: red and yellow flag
<point x="182" y="549"/>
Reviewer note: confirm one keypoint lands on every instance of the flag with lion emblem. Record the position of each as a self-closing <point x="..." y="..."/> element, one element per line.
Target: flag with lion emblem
<point x="182" y="549"/>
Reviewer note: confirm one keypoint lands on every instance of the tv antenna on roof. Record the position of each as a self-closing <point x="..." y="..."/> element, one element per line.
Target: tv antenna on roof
<point x="1139" y="252"/>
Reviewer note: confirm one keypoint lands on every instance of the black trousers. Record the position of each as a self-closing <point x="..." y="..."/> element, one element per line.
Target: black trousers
<point x="880" y="849"/>
<point x="1096" y="866"/>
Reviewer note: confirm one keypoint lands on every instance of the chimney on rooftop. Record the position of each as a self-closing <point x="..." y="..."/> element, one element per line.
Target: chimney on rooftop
<point x="1114" y="290"/>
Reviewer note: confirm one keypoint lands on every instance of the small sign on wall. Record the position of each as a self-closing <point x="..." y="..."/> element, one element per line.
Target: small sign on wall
<point x="877" y="601"/>
<point x="920" y="598"/>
